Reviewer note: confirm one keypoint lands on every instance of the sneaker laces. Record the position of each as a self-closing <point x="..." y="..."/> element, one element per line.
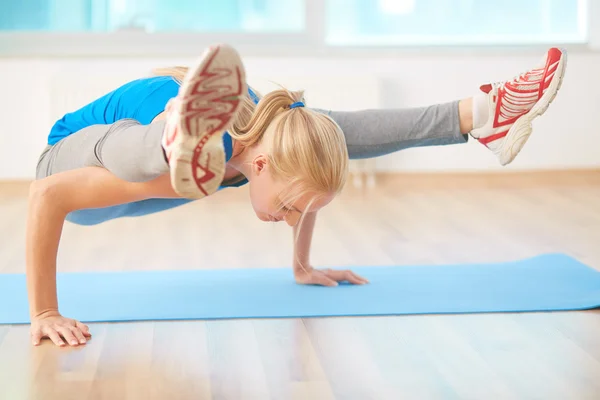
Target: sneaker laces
<point x="518" y="77"/>
<point x="515" y="78"/>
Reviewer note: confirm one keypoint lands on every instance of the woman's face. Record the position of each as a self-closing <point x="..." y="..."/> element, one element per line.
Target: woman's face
<point x="267" y="196"/>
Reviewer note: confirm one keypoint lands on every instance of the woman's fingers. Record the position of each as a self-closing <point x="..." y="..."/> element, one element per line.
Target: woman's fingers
<point x="65" y="331"/>
<point x="60" y="330"/>
<point x="330" y="277"/>
<point x="36" y="337"/>
<point x="345" y="275"/>
<point x="55" y="337"/>
<point x="84" y="329"/>
<point x="320" y="278"/>
<point x="78" y="334"/>
<point x="359" y="278"/>
<point x="352" y="278"/>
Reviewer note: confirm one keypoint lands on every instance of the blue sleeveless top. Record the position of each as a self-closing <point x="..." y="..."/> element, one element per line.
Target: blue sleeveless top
<point x="142" y="100"/>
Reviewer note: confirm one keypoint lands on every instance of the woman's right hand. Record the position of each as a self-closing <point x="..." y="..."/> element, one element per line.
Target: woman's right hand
<point x="59" y="329"/>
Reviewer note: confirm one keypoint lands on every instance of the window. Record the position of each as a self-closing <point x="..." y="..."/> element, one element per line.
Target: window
<point x="153" y="15"/>
<point x="268" y="27"/>
<point x="454" y="22"/>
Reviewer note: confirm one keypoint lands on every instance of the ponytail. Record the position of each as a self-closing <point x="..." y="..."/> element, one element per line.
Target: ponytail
<point x="270" y="106"/>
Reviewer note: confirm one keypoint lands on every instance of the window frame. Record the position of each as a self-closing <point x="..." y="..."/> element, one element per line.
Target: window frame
<point x="311" y="42"/>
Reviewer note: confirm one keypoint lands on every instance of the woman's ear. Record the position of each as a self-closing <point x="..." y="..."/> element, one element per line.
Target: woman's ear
<point x="260" y="164"/>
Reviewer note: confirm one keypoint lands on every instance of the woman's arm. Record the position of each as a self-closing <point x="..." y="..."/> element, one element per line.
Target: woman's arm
<point x="303" y="272"/>
<point x="50" y="200"/>
<point x="303" y="234"/>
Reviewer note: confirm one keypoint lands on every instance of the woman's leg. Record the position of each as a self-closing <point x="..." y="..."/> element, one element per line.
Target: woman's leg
<point x="373" y="133"/>
<point x="499" y="116"/>
<point x="129" y="150"/>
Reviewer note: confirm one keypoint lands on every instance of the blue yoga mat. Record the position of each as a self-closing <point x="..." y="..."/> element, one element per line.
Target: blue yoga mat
<point x="544" y="283"/>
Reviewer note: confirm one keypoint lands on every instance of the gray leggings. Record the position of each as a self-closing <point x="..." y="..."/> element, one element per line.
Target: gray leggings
<point x="133" y="152"/>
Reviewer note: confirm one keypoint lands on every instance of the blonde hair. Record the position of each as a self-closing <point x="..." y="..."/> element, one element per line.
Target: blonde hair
<point x="307" y="148"/>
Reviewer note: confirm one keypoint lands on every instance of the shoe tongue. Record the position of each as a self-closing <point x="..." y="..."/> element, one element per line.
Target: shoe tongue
<point x="486" y="88"/>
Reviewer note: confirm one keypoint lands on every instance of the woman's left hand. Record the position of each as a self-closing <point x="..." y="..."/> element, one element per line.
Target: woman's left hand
<point x="326" y="277"/>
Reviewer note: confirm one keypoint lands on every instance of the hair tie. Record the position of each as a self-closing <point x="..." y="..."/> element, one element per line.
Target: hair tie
<point x="297" y="104"/>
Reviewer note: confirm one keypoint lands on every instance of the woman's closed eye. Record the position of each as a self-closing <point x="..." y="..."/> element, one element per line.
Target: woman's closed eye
<point x="282" y="207"/>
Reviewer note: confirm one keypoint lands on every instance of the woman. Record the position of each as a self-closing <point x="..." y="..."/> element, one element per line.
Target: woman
<point x="159" y="142"/>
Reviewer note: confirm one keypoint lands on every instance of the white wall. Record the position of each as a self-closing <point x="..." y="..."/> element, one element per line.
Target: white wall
<point x="567" y="136"/>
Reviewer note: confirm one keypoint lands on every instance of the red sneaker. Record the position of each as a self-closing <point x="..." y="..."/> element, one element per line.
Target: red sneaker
<point x="205" y="107"/>
<point x="514" y="104"/>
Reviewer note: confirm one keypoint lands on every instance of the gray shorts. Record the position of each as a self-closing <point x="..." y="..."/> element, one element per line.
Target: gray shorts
<point x="128" y="149"/>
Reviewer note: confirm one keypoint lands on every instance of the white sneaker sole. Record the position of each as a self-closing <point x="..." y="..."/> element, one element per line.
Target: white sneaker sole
<point x="519" y="133"/>
<point x="208" y="101"/>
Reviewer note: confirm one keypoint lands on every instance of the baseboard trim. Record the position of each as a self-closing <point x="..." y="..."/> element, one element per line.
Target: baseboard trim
<point x="562" y="178"/>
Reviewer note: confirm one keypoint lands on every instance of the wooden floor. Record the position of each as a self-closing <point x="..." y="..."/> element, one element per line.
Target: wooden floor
<point x="405" y="220"/>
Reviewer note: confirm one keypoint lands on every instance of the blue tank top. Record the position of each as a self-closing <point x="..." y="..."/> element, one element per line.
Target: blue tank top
<point x="142" y="100"/>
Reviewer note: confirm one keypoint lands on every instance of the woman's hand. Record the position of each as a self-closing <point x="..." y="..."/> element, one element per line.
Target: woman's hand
<point x="326" y="277"/>
<point x="307" y="275"/>
<point x="59" y="329"/>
